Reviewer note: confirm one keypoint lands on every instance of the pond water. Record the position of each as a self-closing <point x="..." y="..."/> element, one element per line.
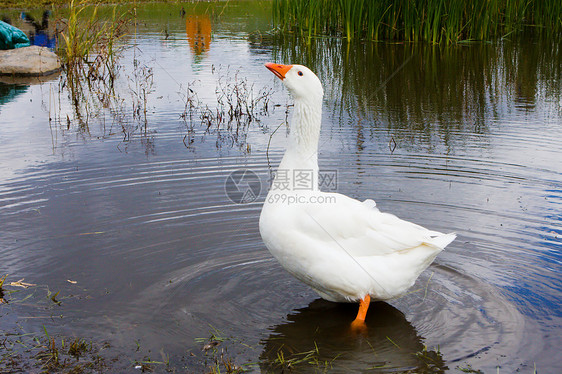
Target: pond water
<point x="125" y="214"/>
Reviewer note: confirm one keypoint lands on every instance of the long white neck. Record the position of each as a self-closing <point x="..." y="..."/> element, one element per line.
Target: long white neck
<point x="301" y="156"/>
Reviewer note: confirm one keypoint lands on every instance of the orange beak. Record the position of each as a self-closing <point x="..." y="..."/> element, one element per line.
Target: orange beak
<point x="279" y="70"/>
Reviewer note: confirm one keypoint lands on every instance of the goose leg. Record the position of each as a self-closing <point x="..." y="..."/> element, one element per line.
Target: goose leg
<point x="359" y="322"/>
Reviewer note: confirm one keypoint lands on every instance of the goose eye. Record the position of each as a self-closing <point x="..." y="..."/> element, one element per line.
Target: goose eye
<point x="300" y="73"/>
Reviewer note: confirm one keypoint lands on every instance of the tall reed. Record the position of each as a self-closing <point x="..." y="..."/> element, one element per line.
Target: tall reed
<point x="434" y="21"/>
<point x="87" y="48"/>
<point x="83" y="33"/>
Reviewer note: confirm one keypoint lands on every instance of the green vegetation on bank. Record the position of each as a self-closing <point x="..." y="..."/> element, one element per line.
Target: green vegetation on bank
<point x="434" y="21"/>
<point x="30" y="4"/>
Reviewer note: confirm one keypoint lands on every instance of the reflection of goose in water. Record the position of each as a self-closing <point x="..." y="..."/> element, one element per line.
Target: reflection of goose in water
<point x="390" y="343"/>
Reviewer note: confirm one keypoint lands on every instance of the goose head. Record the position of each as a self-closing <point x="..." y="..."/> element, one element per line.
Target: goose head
<point x="307" y="92"/>
<point x="301" y="82"/>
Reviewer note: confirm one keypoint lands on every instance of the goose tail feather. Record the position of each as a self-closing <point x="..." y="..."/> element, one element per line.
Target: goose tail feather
<point x="442" y="241"/>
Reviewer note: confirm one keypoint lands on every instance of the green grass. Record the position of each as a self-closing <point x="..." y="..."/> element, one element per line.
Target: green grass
<point x="433" y="21"/>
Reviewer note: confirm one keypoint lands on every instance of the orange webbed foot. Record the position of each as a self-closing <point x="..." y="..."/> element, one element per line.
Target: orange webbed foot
<point x="359" y="325"/>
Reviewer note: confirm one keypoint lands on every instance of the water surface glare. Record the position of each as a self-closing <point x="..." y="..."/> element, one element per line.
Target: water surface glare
<point x="129" y="220"/>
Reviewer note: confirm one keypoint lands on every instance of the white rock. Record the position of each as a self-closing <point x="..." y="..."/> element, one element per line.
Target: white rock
<point x="29" y="61"/>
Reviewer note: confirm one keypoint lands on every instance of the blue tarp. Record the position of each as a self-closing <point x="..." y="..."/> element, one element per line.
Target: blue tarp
<point x="12" y="37"/>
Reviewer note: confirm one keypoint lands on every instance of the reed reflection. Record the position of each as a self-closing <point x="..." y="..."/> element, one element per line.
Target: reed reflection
<point x="430" y="91"/>
<point x="319" y="335"/>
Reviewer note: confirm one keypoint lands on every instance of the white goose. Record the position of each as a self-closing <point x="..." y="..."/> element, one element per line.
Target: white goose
<point x="346" y="250"/>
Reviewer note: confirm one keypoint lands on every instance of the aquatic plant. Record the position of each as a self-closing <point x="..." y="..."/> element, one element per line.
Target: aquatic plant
<point x="85" y="36"/>
<point x="2" y="279"/>
<point x="296" y="360"/>
<point x="238" y="104"/>
<point x="434" y="21"/>
<point x="22" y="352"/>
<point x="90" y="52"/>
<point x="87" y="47"/>
<point x="218" y="360"/>
<point x="140" y="86"/>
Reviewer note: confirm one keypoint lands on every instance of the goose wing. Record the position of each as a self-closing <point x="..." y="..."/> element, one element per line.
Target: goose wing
<point x="361" y="229"/>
